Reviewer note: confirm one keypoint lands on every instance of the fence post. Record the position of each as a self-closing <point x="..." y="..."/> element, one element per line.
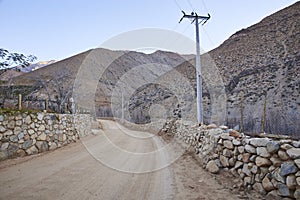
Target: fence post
<point x="65" y="108"/>
<point x="73" y="109"/>
<point x="46" y="104"/>
<point x="264" y="114"/>
<point x="20" y="102"/>
<point x="242" y="111"/>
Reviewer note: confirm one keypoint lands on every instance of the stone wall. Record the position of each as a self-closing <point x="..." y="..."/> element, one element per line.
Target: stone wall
<point x="31" y="133"/>
<point x="269" y="165"/>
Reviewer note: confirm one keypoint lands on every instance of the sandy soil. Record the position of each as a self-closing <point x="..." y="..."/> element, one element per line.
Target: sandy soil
<point x="82" y="171"/>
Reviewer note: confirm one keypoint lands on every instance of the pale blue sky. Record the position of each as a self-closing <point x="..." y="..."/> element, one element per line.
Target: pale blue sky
<point x="56" y="29"/>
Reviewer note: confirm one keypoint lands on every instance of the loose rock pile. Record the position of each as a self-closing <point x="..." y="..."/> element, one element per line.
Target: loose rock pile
<point x="26" y="134"/>
<point x="269" y="166"/>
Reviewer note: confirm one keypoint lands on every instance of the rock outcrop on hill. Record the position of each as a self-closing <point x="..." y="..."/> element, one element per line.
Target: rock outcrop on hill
<point x="260" y="77"/>
<point x="251" y="81"/>
<point x="105" y="71"/>
<point x="8" y="74"/>
<point x="260" y="67"/>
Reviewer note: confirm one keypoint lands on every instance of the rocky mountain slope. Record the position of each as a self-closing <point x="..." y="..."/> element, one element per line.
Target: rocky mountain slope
<point x="260" y="77"/>
<point x="252" y="80"/>
<point x="263" y="62"/>
<point x="36" y="66"/>
<point x="8" y="74"/>
<point x="104" y="72"/>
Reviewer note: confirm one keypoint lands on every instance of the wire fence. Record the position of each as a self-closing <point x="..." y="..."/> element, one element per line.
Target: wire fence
<point x="247" y="118"/>
<point x="266" y="118"/>
<point x="42" y="104"/>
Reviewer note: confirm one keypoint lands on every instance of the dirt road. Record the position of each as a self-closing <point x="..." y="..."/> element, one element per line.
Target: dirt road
<point x="93" y="169"/>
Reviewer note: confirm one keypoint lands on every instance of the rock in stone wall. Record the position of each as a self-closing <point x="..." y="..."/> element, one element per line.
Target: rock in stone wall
<point x="31" y="133"/>
<point x="267" y="165"/>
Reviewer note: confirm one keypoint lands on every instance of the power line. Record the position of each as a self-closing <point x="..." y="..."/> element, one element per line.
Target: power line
<point x="177" y="4"/>
<point x="167" y="40"/>
<point x="203" y="3"/>
<point x="172" y="43"/>
<point x="209" y="38"/>
<point x="191" y="5"/>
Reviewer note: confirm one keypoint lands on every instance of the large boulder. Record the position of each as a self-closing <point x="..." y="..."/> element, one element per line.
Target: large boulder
<point x="283" y="190"/>
<point x="12" y="149"/>
<point x="273" y="146"/>
<point x="212" y="167"/>
<point x="259" y="142"/>
<point x="3" y="155"/>
<point x="294" y="153"/>
<point x="267" y="184"/>
<point x="42" y="146"/>
<point x="262" y="162"/>
<point x="287" y="168"/>
<point x="32" y="150"/>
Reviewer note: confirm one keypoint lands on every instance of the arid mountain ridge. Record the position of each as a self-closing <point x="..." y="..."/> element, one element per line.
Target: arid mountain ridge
<point x="259" y="68"/>
<point x="264" y="59"/>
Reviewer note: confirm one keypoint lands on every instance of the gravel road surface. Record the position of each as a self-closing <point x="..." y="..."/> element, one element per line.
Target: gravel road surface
<point x="114" y="164"/>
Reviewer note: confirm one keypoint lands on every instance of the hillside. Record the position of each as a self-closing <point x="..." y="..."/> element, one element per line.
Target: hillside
<point x="58" y="80"/>
<point x="256" y="68"/>
<point x="36" y="66"/>
<point x="264" y="60"/>
<point x="259" y="67"/>
<point x="8" y="74"/>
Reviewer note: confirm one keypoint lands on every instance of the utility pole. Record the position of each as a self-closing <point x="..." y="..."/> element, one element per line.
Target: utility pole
<point x="195" y="19"/>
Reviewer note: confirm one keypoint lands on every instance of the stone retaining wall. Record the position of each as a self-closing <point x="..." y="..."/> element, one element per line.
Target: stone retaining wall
<point x="31" y="133"/>
<point x="267" y="165"/>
